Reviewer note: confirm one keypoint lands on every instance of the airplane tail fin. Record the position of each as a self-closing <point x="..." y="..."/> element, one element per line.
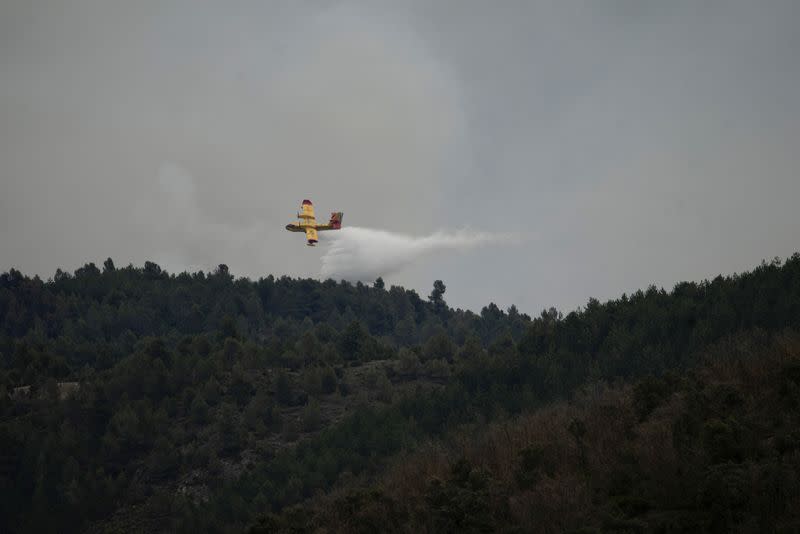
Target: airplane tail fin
<point x="336" y="220"/>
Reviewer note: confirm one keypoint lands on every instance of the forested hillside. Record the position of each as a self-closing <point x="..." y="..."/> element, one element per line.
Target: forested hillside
<point x="136" y="400"/>
<point x="714" y="450"/>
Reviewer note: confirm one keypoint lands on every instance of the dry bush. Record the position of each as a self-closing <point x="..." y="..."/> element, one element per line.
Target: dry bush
<point x="557" y="504"/>
<point x="608" y="418"/>
<point x="408" y="476"/>
<point x="654" y="450"/>
<point x="498" y="447"/>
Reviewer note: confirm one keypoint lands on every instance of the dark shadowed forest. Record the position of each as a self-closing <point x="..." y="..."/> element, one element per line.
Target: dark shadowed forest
<point x="136" y="400"/>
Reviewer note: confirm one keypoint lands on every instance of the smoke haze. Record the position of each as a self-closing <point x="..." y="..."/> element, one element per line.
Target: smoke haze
<point x="643" y="142"/>
<point x="364" y="254"/>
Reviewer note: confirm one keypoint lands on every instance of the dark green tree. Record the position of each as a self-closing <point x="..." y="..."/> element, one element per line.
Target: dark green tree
<point x="437" y="295"/>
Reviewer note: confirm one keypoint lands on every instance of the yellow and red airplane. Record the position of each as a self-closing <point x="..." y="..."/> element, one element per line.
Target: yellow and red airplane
<point x="308" y="223"/>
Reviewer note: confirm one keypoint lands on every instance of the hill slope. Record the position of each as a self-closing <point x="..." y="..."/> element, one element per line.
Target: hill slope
<point x="199" y="401"/>
<point x="714" y="450"/>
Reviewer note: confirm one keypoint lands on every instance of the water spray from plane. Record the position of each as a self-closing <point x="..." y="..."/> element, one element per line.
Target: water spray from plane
<point x="364" y="254"/>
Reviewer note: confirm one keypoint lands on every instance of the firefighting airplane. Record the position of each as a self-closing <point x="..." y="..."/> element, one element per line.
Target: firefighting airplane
<point x="308" y="223"/>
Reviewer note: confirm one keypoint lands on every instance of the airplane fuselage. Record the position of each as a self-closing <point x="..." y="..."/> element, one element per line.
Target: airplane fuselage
<point x="308" y="223"/>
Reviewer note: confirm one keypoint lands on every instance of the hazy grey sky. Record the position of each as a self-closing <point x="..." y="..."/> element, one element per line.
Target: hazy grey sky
<point x="630" y="142"/>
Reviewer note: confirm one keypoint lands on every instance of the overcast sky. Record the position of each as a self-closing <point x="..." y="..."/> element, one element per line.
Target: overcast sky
<point x="624" y="142"/>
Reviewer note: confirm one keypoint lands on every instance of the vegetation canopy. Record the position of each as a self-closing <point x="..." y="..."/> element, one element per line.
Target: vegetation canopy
<point x="132" y="399"/>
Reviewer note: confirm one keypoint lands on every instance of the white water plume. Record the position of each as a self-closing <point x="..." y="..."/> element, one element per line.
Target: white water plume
<point x="364" y="254"/>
